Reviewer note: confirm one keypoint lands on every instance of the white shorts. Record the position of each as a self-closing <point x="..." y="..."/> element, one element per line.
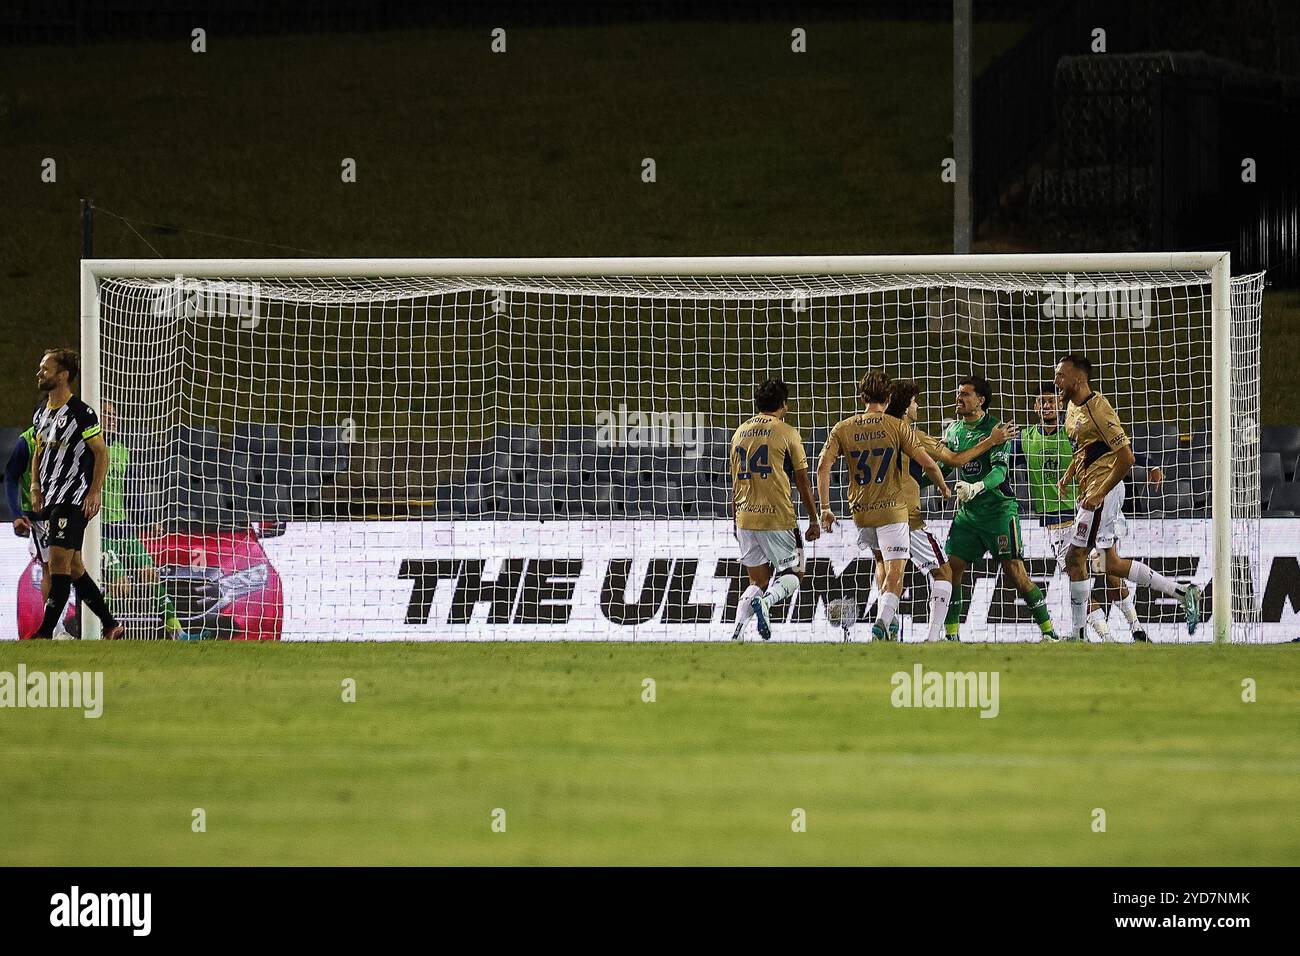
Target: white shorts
<point x="783" y="550"/>
<point x="1058" y="535"/>
<point x="926" y="553"/>
<point x="1101" y="528"/>
<point x="891" y="540"/>
<point x="38" y="543"/>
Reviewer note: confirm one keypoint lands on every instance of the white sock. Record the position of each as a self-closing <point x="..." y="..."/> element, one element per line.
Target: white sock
<point x="888" y="608"/>
<point x="746" y="610"/>
<point x="940" y="596"/>
<point x="1142" y="574"/>
<point x="1098" y="621"/>
<point x="782" y="588"/>
<point x="1080" y="597"/>
<point x="1129" y="611"/>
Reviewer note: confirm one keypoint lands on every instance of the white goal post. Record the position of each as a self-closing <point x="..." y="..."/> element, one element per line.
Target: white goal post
<point x="207" y="349"/>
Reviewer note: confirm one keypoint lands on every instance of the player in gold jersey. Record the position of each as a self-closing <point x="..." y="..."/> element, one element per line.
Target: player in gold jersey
<point x="927" y="556"/>
<point x="1102" y="459"/>
<point x="766" y="453"/>
<point x="875" y="444"/>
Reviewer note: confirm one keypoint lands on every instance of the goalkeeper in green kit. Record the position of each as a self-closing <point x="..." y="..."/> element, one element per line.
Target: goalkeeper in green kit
<point x="125" y="557"/>
<point x="988" y="516"/>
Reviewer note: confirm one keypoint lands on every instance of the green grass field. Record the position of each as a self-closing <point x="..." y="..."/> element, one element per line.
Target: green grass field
<point x="738" y="737"/>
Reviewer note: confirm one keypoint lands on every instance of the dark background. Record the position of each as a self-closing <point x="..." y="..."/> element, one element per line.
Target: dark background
<point x="236" y="151"/>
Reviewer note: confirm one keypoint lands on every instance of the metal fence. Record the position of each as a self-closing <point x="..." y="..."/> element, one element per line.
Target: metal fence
<point x="1141" y="151"/>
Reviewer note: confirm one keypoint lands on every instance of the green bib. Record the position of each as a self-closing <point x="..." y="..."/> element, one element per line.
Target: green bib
<point x="1047" y="456"/>
<point x="113" y="501"/>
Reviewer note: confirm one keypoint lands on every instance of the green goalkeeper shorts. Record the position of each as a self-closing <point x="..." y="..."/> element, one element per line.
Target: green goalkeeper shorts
<point x="971" y="538"/>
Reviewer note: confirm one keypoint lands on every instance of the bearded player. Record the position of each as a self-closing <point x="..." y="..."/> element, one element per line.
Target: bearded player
<point x="927" y="555"/>
<point x="876" y="445"/>
<point x="988" y="516"/>
<point x="68" y="470"/>
<point x="1102" y="459"/>
<point x="1046" y="451"/>
<point x="765" y="453"/>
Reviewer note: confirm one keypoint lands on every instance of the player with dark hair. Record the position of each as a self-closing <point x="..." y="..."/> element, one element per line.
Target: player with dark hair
<point x="876" y="445"/>
<point x="1045" y="450"/>
<point x="1102" y="459"/>
<point x="766" y="453"/>
<point x="988" y="516"/>
<point x="68" y="470"/>
<point x="927" y="555"/>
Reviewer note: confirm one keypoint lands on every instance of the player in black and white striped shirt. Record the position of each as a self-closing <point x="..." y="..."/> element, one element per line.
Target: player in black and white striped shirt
<point x="68" y="472"/>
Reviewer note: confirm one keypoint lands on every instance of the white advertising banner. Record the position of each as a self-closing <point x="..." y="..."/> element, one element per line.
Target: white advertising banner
<point x="661" y="580"/>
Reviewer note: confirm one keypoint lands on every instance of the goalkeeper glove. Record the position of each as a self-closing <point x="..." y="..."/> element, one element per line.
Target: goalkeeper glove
<point x="966" y="490"/>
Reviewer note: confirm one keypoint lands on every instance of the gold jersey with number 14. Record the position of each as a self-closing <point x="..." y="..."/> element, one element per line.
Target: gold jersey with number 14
<point x="765" y="453"/>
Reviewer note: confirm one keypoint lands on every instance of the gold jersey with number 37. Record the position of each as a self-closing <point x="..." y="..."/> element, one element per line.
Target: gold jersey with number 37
<point x="875" y="445"/>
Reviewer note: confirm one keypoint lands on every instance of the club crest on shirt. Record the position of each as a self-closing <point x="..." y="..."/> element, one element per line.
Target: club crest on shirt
<point x="63" y="522"/>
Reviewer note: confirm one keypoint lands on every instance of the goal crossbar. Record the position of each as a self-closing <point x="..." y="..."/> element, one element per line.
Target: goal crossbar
<point x="660" y="265"/>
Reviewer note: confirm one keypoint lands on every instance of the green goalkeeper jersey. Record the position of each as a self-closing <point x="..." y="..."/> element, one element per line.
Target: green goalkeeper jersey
<point x="114" y="491"/>
<point x="1047" y="456"/>
<point x="993" y="468"/>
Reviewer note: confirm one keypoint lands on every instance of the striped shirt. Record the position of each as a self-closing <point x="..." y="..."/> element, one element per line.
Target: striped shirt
<point x="66" y="461"/>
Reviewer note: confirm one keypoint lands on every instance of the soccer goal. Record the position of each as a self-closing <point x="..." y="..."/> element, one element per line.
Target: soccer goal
<point x="523" y="449"/>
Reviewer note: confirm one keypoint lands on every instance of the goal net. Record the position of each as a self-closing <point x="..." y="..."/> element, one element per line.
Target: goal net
<point x="539" y="449"/>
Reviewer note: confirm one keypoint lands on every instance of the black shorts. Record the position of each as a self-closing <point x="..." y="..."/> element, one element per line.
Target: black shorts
<point x="67" y="526"/>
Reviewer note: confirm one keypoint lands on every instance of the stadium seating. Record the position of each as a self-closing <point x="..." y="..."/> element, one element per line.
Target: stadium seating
<point x="1151" y="430"/>
<point x="1285" y="440"/>
<point x="259" y="472"/>
<point x="197" y="442"/>
<point x="1193" y="466"/>
<point x="813" y="442"/>
<point x="256" y="438"/>
<point x="529" y="500"/>
<point x="1285" y="498"/>
<point x="1270" y="474"/>
<point x="1156" y="441"/>
<point x="324" y="444"/>
<point x="1175" y="500"/>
